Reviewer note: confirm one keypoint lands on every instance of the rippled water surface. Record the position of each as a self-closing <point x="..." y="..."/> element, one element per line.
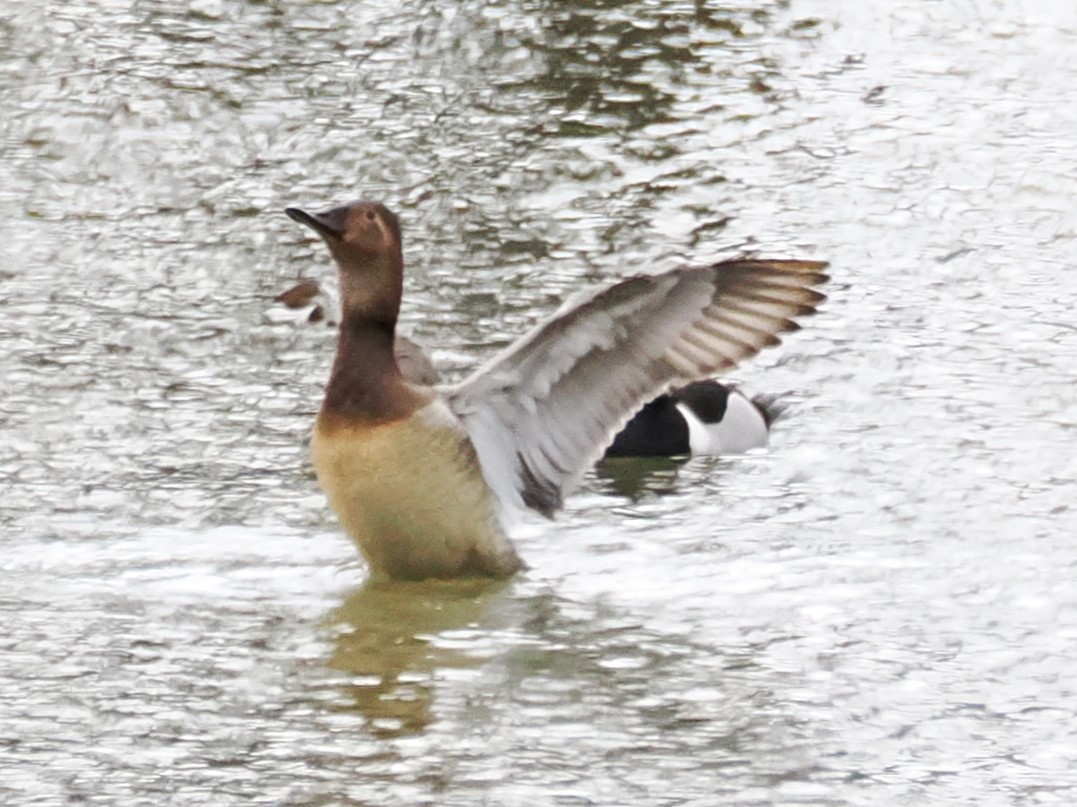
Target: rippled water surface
<point x="880" y="609"/>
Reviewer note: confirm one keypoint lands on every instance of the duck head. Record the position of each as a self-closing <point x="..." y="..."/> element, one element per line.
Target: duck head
<point x="364" y="240"/>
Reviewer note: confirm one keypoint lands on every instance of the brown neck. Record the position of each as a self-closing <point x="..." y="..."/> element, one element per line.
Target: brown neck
<point x="365" y="384"/>
<point x="371" y="286"/>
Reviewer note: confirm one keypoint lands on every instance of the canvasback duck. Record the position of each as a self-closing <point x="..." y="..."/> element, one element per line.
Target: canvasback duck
<point x="426" y="479"/>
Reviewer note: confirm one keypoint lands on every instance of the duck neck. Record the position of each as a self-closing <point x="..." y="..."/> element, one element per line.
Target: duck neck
<point x="365" y="383"/>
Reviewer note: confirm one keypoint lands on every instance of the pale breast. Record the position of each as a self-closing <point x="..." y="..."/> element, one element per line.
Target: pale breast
<point x="412" y="496"/>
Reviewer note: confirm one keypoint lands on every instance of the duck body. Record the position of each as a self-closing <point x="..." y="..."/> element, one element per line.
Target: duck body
<point x="412" y="495"/>
<point x="399" y="469"/>
<point x="424" y="479"/>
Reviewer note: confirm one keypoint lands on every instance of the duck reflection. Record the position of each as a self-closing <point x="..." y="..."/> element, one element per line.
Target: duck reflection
<point x="635" y="478"/>
<point x="394" y="638"/>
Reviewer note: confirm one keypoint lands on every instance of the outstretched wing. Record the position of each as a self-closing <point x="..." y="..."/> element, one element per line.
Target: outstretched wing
<point x="543" y="411"/>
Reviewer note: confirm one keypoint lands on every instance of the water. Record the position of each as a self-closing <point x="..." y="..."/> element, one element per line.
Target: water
<point x="879" y="609"/>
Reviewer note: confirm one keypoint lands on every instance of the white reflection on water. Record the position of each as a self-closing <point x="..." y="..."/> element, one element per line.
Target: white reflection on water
<point x="879" y="609"/>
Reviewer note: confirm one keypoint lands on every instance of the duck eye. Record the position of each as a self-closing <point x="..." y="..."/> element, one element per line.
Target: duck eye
<point x="370" y="215"/>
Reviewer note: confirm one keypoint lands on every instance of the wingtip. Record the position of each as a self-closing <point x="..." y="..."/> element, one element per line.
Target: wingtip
<point x="806" y="266"/>
<point x="779" y="271"/>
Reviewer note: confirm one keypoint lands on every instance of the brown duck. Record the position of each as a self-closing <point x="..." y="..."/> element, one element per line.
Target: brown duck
<point x="427" y="479"/>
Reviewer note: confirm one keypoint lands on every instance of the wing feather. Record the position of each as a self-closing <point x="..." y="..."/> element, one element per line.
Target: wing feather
<point x="542" y="411"/>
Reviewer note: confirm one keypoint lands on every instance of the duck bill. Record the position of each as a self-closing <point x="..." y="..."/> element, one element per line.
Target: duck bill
<point x="329" y="225"/>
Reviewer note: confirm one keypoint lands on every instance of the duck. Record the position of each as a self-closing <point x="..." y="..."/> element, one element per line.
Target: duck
<point x="428" y="481"/>
<point x="704" y="418"/>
